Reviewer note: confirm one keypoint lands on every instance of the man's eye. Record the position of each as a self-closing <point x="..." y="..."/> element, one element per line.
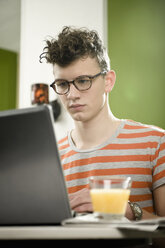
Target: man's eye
<point x="83" y="80"/>
<point x="62" y="84"/>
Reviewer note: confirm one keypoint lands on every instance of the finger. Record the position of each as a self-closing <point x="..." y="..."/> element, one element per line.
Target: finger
<point x="78" y="201"/>
<point x="79" y="192"/>
<point x="84" y="208"/>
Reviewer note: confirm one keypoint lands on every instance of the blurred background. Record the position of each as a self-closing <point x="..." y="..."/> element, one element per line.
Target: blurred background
<point x="136" y="42"/>
<point x="132" y="30"/>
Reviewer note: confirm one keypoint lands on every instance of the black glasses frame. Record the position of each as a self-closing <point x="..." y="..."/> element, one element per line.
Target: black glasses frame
<point x="73" y="82"/>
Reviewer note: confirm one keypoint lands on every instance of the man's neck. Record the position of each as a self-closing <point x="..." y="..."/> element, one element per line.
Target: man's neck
<point x="87" y="135"/>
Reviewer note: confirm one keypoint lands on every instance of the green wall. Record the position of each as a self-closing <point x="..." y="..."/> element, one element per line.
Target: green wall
<point x="8" y="78"/>
<point x="136" y="42"/>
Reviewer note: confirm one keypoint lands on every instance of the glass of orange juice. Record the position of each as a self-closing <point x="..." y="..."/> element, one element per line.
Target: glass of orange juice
<point x="109" y="196"/>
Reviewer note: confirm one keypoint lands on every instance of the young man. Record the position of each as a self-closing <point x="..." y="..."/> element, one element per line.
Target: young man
<point x="100" y="143"/>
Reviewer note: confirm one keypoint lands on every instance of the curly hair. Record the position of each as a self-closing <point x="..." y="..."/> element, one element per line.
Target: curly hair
<point x="73" y="44"/>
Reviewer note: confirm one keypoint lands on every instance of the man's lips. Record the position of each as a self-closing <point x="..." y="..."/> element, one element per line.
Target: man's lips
<point x="76" y="106"/>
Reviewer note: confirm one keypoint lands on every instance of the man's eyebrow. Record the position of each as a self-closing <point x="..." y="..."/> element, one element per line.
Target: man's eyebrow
<point x="80" y="76"/>
<point x="61" y="79"/>
<point x="85" y="75"/>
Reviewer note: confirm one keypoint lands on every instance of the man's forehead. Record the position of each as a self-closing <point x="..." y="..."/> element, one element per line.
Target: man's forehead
<point x="84" y="66"/>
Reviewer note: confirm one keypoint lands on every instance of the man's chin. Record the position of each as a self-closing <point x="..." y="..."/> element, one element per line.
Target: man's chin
<point x="78" y="117"/>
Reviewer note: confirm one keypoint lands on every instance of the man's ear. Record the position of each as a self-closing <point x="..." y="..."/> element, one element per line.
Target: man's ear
<point x="110" y="79"/>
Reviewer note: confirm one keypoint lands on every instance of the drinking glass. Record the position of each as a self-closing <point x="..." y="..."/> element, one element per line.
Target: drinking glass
<point x="109" y="196"/>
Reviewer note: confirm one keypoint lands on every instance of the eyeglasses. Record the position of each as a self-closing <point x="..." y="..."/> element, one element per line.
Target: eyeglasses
<point x="81" y="83"/>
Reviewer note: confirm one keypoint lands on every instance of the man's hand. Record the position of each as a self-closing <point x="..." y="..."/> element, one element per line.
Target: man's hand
<point x="80" y="201"/>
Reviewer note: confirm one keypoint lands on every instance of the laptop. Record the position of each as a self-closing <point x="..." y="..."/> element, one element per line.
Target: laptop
<point x="32" y="184"/>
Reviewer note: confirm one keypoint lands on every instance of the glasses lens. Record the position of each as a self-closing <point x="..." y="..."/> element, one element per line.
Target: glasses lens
<point x="61" y="86"/>
<point x="83" y="83"/>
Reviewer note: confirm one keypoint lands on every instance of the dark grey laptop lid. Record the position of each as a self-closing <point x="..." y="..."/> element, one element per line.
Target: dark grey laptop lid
<point x="32" y="185"/>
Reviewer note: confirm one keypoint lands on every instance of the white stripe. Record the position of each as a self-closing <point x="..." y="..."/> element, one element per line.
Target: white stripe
<point x="109" y="153"/>
<point x="140" y="191"/>
<point x="158" y="183"/>
<point x="141" y="130"/>
<point x="136" y="140"/>
<point x="108" y="165"/>
<point x="147" y="203"/>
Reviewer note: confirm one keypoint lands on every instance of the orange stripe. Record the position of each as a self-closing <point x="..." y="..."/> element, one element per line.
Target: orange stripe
<point x="103" y="159"/>
<point x="145" y="125"/>
<point x="68" y="154"/>
<point x="159" y="176"/>
<point x="62" y="140"/>
<point x="161" y="161"/>
<point x="63" y="147"/>
<point x="136" y="198"/>
<point x="154" y="156"/>
<point x="76" y="188"/>
<point x="119" y="171"/>
<point x="131" y="146"/>
<point x="134" y="127"/>
<point x="137" y="185"/>
<point x="162" y="146"/>
<point x="139" y="135"/>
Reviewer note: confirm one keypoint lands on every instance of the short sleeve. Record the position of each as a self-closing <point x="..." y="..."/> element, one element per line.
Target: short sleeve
<point x="159" y="164"/>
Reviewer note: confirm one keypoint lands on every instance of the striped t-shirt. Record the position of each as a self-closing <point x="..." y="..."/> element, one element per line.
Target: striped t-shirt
<point x="134" y="150"/>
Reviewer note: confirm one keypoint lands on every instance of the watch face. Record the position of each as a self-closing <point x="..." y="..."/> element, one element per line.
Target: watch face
<point x="137" y="211"/>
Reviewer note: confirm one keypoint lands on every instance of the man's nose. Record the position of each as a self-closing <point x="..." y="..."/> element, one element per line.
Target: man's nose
<point x="73" y="92"/>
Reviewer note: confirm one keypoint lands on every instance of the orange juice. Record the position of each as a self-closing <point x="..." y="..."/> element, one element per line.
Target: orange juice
<point x="110" y="201"/>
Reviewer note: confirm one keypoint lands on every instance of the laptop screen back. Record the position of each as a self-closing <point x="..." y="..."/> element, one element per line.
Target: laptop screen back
<point x="32" y="185"/>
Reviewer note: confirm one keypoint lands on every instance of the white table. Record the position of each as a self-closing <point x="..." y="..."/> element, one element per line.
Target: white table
<point x="47" y="236"/>
<point x="73" y="232"/>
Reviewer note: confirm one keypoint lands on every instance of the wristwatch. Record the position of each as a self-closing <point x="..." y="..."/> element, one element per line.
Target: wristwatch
<point x="136" y="209"/>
